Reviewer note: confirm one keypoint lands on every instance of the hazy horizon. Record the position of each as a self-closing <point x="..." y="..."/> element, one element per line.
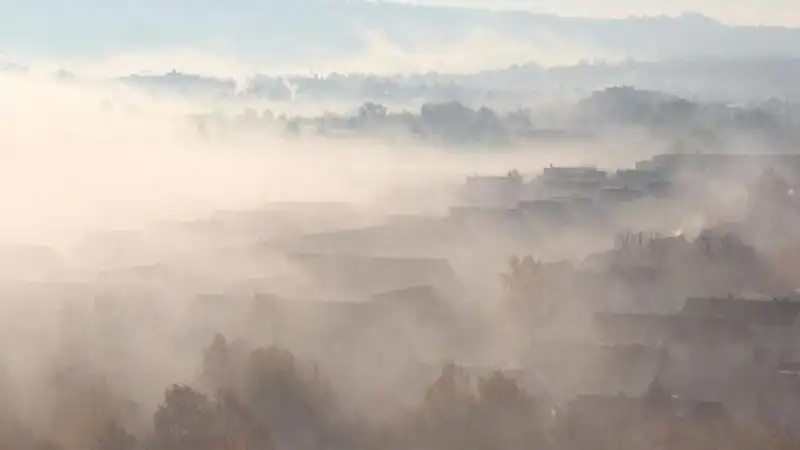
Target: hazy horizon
<point x="247" y="259"/>
<point x="742" y="12"/>
<point x="331" y="35"/>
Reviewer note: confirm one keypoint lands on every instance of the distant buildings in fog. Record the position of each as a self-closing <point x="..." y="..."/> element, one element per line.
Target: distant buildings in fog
<point x="558" y="193"/>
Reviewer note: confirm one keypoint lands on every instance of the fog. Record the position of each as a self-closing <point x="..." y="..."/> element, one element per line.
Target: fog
<point x="83" y="157"/>
<point x="197" y="271"/>
<point x="482" y="48"/>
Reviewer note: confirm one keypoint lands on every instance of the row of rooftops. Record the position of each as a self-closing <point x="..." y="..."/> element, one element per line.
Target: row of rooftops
<point x="615" y="375"/>
<point x="623" y="363"/>
<point x="648" y="176"/>
<point x="717" y="160"/>
<point x="711" y="319"/>
<point x="586" y="176"/>
<point x="562" y="185"/>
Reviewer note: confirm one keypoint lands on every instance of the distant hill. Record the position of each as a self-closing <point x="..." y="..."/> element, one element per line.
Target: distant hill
<point x="305" y="30"/>
<point x="637" y="106"/>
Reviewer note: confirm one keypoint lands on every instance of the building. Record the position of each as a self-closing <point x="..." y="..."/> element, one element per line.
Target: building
<point x="568" y="181"/>
<point x="762" y="313"/>
<point x="362" y="276"/>
<point x="666" y="329"/>
<point x="491" y="190"/>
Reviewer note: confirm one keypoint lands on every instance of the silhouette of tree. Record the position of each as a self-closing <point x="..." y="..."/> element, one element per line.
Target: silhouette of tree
<point x="657" y="399"/>
<point x="238" y="427"/>
<point x="372" y="111"/>
<point x="522" y="276"/>
<point x="510" y="418"/>
<point x="499" y="390"/>
<point x="535" y="290"/>
<point x="450" y="391"/>
<point x="289" y="399"/>
<point x="448" y="419"/>
<point x="114" y="437"/>
<point x="185" y="421"/>
<point x="217" y="364"/>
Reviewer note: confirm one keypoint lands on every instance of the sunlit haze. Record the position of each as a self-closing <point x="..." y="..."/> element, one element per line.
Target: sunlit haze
<point x="358" y="225"/>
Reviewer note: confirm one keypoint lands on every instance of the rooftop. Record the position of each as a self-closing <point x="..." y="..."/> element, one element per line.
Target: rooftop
<point x="774" y="313"/>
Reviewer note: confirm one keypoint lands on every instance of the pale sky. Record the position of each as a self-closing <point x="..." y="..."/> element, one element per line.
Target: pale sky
<point x="756" y="12"/>
<point x="288" y="30"/>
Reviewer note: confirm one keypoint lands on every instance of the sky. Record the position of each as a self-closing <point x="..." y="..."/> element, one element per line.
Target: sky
<point x="755" y="12"/>
<point x="744" y="12"/>
<point x="239" y="37"/>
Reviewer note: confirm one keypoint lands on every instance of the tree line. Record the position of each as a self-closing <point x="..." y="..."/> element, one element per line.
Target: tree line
<point x="267" y="398"/>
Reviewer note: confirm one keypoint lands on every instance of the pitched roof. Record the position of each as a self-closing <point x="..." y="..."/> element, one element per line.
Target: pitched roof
<point x="369" y="275"/>
<point x="776" y="313"/>
<point x="658" y="328"/>
<point x="564" y="368"/>
<point x="789" y="368"/>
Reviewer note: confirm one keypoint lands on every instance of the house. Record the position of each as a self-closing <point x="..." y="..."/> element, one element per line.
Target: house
<point x="545" y="210"/>
<point x="614" y="195"/>
<point x="781" y="396"/>
<point x="423" y="295"/>
<point x="625" y="369"/>
<point x="763" y="313"/>
<point x="568" y="181"/>
<point x="789" y="368"/>
<point x="553" y="174"/>
<point x="491" y="190"/>
<point x="609" y="417"/>
<point x="592" y="368"/>
<point x="362" y="276"/>
<point x="500" y="220"/>
<point x="592" y="418"/>
<point x="703" y="357"/>
<point x="423" y="307"/>
<point x="674" y="163"/>
<point x="423" y="236"/>
<point x="663" y="329"/>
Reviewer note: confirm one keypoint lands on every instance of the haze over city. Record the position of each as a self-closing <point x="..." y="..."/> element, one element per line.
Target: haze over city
<point x="321" y="224"/>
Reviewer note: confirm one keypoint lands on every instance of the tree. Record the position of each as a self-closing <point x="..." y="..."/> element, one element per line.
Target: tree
<point x="217" y="364"/>
<point x="371" y="110"/>
<point x="293" y="402"/>
<point x="185" y="421"/>
<point x="450" y="391"/>
<point x="500" y="390"/>
<point x="448" y="419"/>
<point x="114" y="437"/>
<point x="522" y="274"/>
<point x="510" y="417"/>
<point x="657" y="399"/>
<point x="515" y="176"/>
<point x="239" y="428"/>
